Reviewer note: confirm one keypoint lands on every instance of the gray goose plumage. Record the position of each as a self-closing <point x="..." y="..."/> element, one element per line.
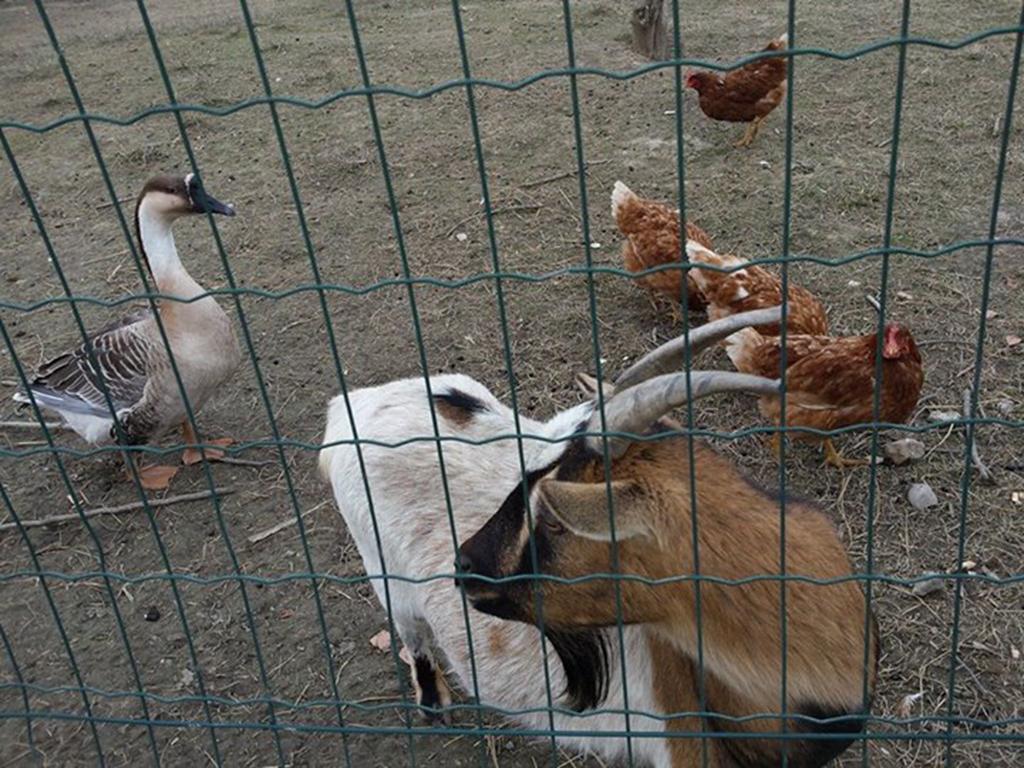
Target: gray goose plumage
<point x="130" y="355"/>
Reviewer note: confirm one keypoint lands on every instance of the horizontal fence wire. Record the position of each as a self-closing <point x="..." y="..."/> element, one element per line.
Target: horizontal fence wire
<point x="35" y="703"/>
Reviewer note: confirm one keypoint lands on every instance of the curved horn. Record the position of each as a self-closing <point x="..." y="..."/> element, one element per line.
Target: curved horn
<point x="635" y="409"/>
<point x="669" y="357"/>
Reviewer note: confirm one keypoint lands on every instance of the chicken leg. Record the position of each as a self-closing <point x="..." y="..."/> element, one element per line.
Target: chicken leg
<point x="835" y="459"/>
<point x="751" y="133"/>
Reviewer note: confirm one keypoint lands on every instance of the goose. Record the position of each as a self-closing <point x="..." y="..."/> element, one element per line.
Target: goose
<point x="130" y="354"/>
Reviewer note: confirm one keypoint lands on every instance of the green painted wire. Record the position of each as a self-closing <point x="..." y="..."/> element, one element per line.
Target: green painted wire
<point x="499" y="730"/>
<point x="501" y="85"/>
<point x="702" y="700"/>
<point x="499" y="291"/>
<point x="61" y="631"/>
<point x="970" y="422"/>
<point x="16" y="669"/>
<point x="101" y="555"/>
<point x="526" y="277"/>
<point x="581" y="175"/>
<point x="339" y="369"/>
<point x="314" y="704"/>
<point x="890" y="207"/>
<point x="652" y="437"/>
<point x="94" y="144"/>
<point x="55" y="261"/>
<point x="965" y="481"/>
<point x="265" y="581"/>
<point x="189" y="410"/>
<point x="787" y="222"/>
<point x="76" y="501"/>
<point x="378" y="137"/>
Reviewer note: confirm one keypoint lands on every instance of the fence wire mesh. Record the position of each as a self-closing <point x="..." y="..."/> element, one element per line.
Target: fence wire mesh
<point x="262" y="656"/>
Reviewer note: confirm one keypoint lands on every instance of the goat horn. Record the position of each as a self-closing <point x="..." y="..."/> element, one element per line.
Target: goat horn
<point x="635" y="409"/>
<point x="669" y="357"/>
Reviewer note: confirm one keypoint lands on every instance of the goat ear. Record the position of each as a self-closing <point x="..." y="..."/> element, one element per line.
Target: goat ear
<point x="583" y="508"/>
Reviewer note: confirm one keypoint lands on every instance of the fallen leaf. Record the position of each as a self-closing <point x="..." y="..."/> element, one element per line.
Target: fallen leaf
<point x="991" y="314"/>
<point x="908" y="702"/>
<point x="1012" y="341"/>
<point x="1017" y="497"/>
<point x="381" y="641"/>
<point x="405" y="656"/>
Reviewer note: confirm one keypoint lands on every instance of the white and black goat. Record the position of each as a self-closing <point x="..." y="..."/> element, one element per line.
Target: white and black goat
<point x="738" y="527"/>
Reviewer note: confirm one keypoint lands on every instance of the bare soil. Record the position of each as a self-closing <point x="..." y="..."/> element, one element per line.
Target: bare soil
<point x="953" y="106"/>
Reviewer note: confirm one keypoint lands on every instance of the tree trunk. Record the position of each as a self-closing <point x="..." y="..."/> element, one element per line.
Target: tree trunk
<point x="649" y="36"/>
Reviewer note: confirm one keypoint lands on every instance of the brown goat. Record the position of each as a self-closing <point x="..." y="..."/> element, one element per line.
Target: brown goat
<point x="739" y="532"/>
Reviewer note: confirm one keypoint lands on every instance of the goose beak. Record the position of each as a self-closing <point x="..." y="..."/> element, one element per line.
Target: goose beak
<point x="204" y="203"/>
<point x="212" y="205"/>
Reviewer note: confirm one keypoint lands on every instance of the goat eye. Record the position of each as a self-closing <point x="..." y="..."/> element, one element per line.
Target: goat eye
<point x="551" y="524"/>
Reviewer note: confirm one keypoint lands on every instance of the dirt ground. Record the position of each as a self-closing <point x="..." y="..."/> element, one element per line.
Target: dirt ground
<point x="953" y="108"/>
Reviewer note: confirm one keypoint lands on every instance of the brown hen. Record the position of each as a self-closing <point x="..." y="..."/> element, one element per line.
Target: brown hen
<point x="752" y="287"/>
<point x="652" y="239"/>
<point x="746" y="94"/>
<point x="830" y="380"/>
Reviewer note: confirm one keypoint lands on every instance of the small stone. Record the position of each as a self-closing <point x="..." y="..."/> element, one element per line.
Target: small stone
<point x="944" y="415"/>
<point x="765" y="164"/>
<point x="991" y="314"/>
<point x="461" y="237"/>
<point x="921" y="496"/>
<point x="853" y="283"/>
<point x="1014" y="653"/>
<point x="1005" y="407"/>
<point x="186" y="679"/>
<point x="928" y="586"/>
<point x="900" y="452"/>
<point x="904" y="296"/>
<point x="152" y="614"/>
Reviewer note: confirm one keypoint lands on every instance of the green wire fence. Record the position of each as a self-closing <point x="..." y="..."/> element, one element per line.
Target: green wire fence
<point x="25" y="697"/>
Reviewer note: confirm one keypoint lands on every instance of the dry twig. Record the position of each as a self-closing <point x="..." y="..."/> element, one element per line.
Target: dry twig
<point x="983" y="470"/>
<point x="29" y="425"/>
<point x="101" y="206"/>
<point x="494" y="212"/>
<point x="560" y="176"/>
<point x="268" y="532"/>
<point x="131" y="507"/>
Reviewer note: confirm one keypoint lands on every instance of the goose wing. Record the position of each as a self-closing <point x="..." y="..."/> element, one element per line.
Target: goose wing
<point x="123" y="354"/>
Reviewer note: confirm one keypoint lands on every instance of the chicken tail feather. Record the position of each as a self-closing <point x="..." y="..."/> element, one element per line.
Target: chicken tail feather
<point x="740" y="347"/>
<point x="707" y="280"/>
<point x="621" y="197"/>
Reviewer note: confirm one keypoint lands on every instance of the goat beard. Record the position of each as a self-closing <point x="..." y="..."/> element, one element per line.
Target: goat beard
<point x="584" y="657"/>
